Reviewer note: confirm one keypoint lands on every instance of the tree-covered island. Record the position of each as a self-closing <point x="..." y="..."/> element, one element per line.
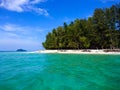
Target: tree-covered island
<point x="21" y="50"/>
<point x="100" y="31"/>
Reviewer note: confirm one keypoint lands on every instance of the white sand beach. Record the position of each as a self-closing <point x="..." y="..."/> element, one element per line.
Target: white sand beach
<point x="77" y="51"/>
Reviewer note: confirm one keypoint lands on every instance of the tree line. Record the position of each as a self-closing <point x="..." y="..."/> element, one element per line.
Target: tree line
<point x="100" y="31"/>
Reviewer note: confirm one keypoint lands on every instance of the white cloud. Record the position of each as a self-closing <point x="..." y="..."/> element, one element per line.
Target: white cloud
<point x="15" y="31"/>
<point x="36" y="1"/>
<point x="21" y="30"/>
<point x="23" y="6"/>
<point x="66" y="19"/>
<point x="17" y="36"/>
<point x="10" y="27"/>
<point x="14" y="44"/>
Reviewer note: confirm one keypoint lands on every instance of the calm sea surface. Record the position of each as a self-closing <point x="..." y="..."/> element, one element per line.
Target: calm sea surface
<point x="30" y="71"/>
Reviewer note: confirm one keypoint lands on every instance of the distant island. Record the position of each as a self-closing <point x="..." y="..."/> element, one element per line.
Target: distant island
<point x="21" y="50"/>
<point x="100" y="31"/>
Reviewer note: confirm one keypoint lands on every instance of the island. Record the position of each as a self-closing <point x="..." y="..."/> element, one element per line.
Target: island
<point x="100" y="31"/>
<point x="21" y="50"/>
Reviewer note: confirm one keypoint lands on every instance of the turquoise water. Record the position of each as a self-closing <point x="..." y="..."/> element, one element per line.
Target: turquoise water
<point x="29" y="71"/>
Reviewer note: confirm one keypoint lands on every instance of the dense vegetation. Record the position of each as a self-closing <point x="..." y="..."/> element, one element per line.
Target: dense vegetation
<point x="101" y="31"/>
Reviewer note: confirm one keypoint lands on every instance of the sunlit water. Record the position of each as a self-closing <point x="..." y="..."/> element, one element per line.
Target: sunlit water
<point x="30" y="71"/>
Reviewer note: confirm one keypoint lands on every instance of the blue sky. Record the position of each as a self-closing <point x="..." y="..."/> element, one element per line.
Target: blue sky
<point x="25" y="23"/>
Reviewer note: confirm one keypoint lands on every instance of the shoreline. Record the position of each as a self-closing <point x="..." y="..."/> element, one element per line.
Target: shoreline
<point x="92" y="51"/>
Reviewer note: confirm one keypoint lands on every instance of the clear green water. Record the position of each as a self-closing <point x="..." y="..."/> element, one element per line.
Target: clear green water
<point x="25" y="71"/>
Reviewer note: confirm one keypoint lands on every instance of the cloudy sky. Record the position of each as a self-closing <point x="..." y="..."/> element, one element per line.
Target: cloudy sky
<point x="25" y="23"/>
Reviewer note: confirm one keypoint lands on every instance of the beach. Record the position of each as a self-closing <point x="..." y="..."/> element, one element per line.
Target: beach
<point x="85" y="51"/>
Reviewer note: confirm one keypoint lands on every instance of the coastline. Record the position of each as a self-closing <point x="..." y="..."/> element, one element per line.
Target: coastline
<point x="92" y="51"/>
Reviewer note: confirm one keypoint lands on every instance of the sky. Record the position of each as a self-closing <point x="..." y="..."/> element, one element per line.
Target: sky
<point x="25" y="23"/>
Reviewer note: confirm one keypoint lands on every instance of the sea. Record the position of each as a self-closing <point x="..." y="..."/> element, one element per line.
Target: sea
<point x="35" y="71"/>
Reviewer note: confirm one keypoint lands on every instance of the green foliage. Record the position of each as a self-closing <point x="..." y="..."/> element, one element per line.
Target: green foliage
<point x="98" y="31"/>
